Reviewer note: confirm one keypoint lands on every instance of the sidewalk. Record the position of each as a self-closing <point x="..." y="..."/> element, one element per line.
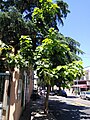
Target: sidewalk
<point x="34" y="111"/>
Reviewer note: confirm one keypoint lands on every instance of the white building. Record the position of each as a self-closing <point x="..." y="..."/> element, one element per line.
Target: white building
<point x="84" y="83"/>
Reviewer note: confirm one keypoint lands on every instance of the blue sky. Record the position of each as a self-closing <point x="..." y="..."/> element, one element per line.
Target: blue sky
<point x="77" y="26"/>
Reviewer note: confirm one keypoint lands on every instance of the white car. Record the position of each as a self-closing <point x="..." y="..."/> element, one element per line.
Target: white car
<point x="85" y="95"/>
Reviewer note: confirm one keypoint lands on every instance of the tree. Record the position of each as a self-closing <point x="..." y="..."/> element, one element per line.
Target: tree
<point x="55" y="61"/>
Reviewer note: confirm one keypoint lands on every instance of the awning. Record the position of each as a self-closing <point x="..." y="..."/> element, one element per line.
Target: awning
<point x="80" y="85"/>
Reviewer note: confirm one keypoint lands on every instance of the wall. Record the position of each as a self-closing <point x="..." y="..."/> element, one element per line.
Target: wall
<point x="18" y="100"/>
<point x="87" y="73"/>
<point x="14" y="102"/>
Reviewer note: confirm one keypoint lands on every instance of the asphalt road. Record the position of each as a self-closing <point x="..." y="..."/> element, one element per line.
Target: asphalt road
<point x="71" y="108"/>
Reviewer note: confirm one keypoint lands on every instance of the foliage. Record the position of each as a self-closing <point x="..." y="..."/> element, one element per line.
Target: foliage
<point x="35" y="19"/>
<point x="53" y="63"/>
<point x="73" y="44"/>
<point x="3" y="47"/>
<point x="46" y="14"/>
<point x="24" y="56"/>
<point x="67" y="73"/>
<point x="11" y="26"/>
<point x="32" y="18"/>
<point x="26" y="49"/>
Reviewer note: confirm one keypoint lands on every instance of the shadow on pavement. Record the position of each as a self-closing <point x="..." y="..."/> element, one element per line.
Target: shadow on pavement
<point x="58" y="110"/>
<point x="72" y="96"/>
<point x="37" y="111"/>
<point x="63" y="111"/>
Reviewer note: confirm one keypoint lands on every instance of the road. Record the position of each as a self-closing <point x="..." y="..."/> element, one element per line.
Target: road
<point x="71" y="108"/>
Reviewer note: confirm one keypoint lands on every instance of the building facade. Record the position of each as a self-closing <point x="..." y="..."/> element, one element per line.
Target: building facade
<point x="84" y="83"/>
<point x="15" y="92"/>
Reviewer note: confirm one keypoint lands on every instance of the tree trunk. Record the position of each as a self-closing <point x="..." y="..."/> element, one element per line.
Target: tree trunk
<point x="46" y="100"/>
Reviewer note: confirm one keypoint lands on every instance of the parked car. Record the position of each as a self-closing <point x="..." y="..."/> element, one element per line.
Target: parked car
<point x="85" y="95"/>
<point x="61" y="93"/>
<point x="52" y="93"/>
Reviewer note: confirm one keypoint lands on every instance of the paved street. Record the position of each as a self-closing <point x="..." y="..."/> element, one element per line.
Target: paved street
<point x="70" y="108"/>
<point x="34" y="111"/>
<point x="60" y="108"/>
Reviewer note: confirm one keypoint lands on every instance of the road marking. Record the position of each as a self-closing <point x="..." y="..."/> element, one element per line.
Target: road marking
<point x="79" y="104"/>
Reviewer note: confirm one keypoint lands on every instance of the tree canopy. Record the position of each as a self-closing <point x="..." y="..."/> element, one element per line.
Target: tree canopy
<point x="30" y="17"/>
<point x="38" y="21"/>
<point x="55" y="60"/>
